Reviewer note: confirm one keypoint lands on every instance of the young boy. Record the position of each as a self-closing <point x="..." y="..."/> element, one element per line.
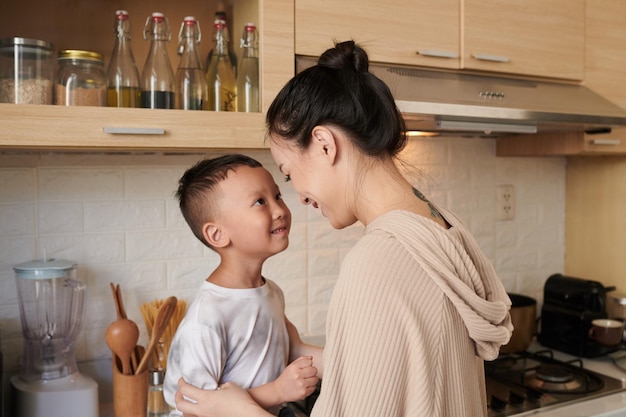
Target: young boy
<point x="236" y="329"/>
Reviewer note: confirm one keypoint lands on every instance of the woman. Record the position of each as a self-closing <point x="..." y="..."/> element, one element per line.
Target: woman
<point x="417" y="306"/>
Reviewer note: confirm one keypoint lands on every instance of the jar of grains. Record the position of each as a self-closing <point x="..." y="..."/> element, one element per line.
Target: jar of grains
<point x="26" y="71"/>
<point x="81" y="79"/>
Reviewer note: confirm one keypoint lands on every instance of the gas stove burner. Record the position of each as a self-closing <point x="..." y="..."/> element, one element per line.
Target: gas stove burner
<point x="559" y="379"/>
<point x="555" y="374"/>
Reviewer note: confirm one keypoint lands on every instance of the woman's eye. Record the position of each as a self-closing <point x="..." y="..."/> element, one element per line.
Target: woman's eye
<point x="287" y="178"/>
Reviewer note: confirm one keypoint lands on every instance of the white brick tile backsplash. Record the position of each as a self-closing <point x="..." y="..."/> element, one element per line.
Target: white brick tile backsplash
<point x="159" y="245"/>
<point x="15" y="250"/>
<point x="84" y="249"/>
<point x="298" y="315"/>
<point x="323" y="262"/>
<point x="135" y="277"/>
<point x="321" y="289"/>
<point x="17" y="184"/>
<point x="61" y="217"/>
<point x="189" y="273"/>
<point x="288" y="265"/>
<point x="110" y="215"/>
<point x="118" y="218"/>
<point x="295" y="291"/>
<point x="317" y="319"/>
<point x="17" y="219"/>
<point x="79" y="184"/>
<point x="152" y="182"/>
<point x="173" y="217"/>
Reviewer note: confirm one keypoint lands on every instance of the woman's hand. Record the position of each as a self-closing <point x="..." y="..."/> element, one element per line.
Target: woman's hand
<point x="229" y="400"/>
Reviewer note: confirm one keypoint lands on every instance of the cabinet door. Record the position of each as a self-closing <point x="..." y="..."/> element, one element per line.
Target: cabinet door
<point x="526" y="37"/>
<point x="412" y="32"/>
<point x="605" y="59"/>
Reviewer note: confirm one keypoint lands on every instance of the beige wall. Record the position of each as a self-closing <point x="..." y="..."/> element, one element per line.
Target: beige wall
<point x="595" y="220"/>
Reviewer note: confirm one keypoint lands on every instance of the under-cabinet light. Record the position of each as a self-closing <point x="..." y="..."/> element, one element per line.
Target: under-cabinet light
<point x="486" y="127"/>
<point x="420" y="133"/>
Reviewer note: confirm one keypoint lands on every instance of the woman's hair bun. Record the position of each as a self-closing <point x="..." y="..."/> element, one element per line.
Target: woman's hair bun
<point x="345" y="55"/>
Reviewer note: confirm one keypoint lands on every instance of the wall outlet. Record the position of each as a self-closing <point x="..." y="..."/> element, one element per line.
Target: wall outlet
<point x="506" y="202"/>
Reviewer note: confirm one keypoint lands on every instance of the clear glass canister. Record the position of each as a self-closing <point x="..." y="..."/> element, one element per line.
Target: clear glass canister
<point x="26" y="71"/>
<point x="81" y="79"/>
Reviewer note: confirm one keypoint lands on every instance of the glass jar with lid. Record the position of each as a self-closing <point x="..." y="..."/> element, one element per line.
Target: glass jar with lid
<point x="81" y="79"/>
<point x="26" y="71"/>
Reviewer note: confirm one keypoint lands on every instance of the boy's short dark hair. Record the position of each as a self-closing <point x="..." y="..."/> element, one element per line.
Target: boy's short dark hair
<point x="197" y="184"/>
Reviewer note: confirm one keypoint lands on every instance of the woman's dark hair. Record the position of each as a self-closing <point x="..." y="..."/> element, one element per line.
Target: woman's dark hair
<point x="339" y="91"/>
<point x="196" y="186"/>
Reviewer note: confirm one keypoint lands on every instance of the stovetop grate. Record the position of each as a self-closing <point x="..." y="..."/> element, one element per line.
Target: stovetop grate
<point x="527" y="381"/>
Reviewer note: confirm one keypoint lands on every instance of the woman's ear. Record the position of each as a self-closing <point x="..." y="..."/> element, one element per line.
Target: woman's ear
<point x="214" y="235"/>
<point x="326" y="142"/>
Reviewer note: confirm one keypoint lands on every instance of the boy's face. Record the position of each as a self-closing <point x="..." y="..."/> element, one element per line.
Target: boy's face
<point x="252" y="213"/>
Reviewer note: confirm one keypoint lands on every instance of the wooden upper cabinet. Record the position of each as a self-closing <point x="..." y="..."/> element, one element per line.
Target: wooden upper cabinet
<point x="605" y="57"/>
<point x="410" y="32"/>
<point x="88" y="24"/>
<point x="525" y="37"/>
<point x="605" y="60"/>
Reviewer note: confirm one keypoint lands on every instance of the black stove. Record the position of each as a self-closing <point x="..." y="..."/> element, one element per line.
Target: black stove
<point x="526" y="381"/>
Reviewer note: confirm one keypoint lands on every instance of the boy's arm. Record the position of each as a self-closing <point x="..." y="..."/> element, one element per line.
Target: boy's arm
<point x="297" y="382"/>
<point x="298" y="348"/>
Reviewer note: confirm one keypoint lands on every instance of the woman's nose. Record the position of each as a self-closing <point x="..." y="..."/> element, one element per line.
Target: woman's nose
<point x="305" y="201"/>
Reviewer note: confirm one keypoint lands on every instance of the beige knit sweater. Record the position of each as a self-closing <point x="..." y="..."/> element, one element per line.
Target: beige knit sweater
<point x="415" y="311"/>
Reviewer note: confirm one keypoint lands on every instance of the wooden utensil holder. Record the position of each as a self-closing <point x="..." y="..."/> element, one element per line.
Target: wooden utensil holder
<point x="130" y="392"/>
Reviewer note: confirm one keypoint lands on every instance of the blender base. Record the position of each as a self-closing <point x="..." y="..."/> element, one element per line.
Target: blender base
<point x="73" y="395"/>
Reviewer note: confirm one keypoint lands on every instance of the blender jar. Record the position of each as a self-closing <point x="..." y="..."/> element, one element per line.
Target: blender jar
<point x="26" y="71"/>
<point x="51" y="304"/>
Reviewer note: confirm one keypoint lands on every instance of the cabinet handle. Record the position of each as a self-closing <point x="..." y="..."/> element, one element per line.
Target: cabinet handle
<point x="438" y="53"/>
<point x="491" y="58"/>
<point x="606" y="142"/>
<point x="134" y="130"/>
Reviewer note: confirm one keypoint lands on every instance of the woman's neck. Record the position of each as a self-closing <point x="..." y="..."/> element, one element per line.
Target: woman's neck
<point x="380" y="188"/>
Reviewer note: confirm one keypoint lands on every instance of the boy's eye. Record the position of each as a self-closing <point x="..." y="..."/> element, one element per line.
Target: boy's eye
<point x="279" y="196"/>
<point x="260" y="202"/>
<point x="287" y="178"/>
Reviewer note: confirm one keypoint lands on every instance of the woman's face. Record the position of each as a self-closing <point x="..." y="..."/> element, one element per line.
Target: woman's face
<point x="317" y="181"/>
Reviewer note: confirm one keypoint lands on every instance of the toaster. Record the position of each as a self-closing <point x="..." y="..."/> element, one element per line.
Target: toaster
<point x="569" y="306"/>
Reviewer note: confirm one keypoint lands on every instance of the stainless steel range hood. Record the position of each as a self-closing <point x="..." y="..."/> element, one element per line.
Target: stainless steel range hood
<point x="459" y="103"/>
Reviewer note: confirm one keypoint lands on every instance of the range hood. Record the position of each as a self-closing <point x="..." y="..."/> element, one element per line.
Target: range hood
<point x="461" y="103"/>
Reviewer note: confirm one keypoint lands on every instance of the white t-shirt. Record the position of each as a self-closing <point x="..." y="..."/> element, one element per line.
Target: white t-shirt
<point x="236" y="335"/>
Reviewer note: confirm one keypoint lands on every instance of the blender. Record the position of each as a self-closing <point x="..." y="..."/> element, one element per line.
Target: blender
<point x="51" y="306"/>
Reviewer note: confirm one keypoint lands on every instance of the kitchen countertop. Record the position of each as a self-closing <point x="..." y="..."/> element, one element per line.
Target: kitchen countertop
<point x="613" y="405"/>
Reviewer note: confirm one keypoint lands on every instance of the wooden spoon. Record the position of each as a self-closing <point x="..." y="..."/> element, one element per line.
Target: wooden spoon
<point x="121" y="337"/>
<point x="118" y="307"/>
<point x="121" y="314"/>
<point x="120" y="301"/>
<point x="160" y="324"/>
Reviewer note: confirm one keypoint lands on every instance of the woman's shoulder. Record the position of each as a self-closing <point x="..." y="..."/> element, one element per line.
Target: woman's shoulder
<point x="375" y="252"/>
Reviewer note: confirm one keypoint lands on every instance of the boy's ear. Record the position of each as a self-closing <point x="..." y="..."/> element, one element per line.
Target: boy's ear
<point x="214" y="235"/>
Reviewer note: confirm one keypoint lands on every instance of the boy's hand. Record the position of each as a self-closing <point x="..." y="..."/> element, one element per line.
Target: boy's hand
<point x="297" y="381"/>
